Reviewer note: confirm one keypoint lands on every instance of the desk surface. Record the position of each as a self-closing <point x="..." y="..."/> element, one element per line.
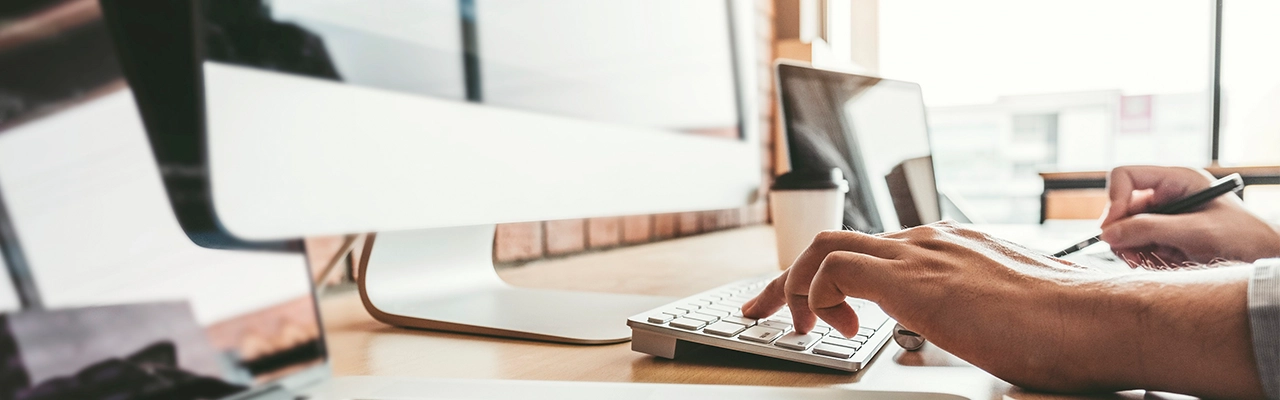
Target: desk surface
<point x="361" y="346"/>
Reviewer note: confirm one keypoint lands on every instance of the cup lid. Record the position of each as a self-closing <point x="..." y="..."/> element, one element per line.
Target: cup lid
<point x="811" y="180"/>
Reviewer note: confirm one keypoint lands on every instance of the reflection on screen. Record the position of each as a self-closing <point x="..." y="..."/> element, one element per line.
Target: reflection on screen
<point x="85" y="198"/>
<point x="655" y="63"/>
<point x="864" y="126"/>
<point x="660" y="63"/>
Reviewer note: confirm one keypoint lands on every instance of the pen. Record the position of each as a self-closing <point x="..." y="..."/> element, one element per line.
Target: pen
<point x="1228" y="184"/>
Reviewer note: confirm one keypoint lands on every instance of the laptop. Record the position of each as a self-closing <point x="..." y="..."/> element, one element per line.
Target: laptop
<point x="874" y="131"/>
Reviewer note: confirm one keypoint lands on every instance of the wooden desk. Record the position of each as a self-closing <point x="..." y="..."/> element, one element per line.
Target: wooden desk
<point x="361" y="346"/>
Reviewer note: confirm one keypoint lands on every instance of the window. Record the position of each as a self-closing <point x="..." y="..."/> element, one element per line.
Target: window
<point x="1018" y="87"/>
<point x="1250" y="121"/>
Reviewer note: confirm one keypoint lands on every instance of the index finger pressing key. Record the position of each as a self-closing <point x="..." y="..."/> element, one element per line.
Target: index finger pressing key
<point x="801" y="275"/>
<point x="769" y="301"/>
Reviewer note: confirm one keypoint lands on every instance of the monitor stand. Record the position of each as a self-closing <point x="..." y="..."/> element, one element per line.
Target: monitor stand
<point x="443" y="279"/>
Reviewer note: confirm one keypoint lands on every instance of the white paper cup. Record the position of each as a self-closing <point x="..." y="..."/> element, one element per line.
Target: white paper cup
<point x="803" y="205"/>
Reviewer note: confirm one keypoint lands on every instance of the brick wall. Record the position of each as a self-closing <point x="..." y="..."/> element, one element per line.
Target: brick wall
<point x="522" y="242"/>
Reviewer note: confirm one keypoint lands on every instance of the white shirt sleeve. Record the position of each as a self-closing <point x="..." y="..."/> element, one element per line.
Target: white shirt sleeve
<point x="1264" y="322"/>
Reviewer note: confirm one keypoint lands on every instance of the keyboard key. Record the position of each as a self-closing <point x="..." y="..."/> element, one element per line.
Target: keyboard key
<point x="700" y="303"/>
<point x="722" y="307"/>
<point x="686" y="323"/>
<point x="842" y="336"/>
<point x="821" y="330"/>
<point x="796" y="341"/>
<point x="842" y="342"/>
<point x="832" y="350"/>
<point x="676" y="312"/>
<point x="760" y="334"/>
<point x="866" y="332"/>
<point x="716" y="313"/>
<point x="661" y="318"/>
<point x="740" y="320"/>
<point x="688" y="307"/>
<point x="860" y="339"/>
<point x="702" y="317"/>
<point x="726" y="329"/>
<point x="733" y="303"/>
<point x="776" y="325"/>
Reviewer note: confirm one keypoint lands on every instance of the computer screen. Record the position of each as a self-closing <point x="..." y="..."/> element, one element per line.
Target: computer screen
<point x="659" y="63"/>
<point x="124" y="289"/>
<point x="866" y="126"/>
<point x="441" y="112"/>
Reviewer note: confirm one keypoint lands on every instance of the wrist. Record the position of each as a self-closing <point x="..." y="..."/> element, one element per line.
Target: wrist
<point x="1186" y="332"/>
<point x="1109" y="341"/>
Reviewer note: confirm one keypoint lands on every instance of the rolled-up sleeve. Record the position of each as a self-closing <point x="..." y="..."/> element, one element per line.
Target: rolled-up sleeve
<point x="1264" y="321"/>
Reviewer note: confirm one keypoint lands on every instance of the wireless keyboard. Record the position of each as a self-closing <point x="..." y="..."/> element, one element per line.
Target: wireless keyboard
<point x="714" y="318"/>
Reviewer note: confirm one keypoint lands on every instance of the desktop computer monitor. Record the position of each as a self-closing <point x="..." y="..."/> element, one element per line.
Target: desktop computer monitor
<point x="277" y="119"/>
<point x="328" y="117"/>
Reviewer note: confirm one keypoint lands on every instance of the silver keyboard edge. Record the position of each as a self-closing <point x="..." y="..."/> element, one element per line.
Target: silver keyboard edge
<point x="855" y="363"/>
<point x="864" y="354"/>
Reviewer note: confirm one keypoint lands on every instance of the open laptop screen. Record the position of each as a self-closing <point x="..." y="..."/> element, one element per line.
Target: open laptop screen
<point x="867" y="127"/>
<point x="130" y="302"/>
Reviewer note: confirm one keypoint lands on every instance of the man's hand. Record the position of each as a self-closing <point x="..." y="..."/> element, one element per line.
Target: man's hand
<point x="1033" y="320"/>
<point x="975" y="296"/>
<point x="1222" y="229"/>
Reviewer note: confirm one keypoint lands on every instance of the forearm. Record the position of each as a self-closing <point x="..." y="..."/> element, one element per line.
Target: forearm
<point x="1188" y="332"/>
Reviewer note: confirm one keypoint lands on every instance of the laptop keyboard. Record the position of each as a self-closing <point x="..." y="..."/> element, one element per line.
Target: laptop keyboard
<point x="715" y="318"/>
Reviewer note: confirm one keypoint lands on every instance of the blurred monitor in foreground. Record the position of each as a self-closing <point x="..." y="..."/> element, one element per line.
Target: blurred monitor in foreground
<point x="91" y="226"/>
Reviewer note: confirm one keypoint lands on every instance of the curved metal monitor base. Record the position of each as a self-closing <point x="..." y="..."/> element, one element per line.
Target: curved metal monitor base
<point x="443" y="279"/>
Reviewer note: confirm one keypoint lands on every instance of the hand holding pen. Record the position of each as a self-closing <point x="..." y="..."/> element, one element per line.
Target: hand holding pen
<point x="1222" y="229"/>
<point x="1230" y="183"/>
<point x="1149" y="204"/>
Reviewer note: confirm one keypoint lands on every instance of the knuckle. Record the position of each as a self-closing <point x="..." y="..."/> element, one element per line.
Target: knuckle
<point x="827" y="279"/>
<point x="923" y="233"/>
<point x="838" y="257"/>
<point x="1128" y="169"/>
<point x="836" y="260"/>
<point x="826" y="237"/>
<point x="1139" y="223"/>
<point x="1193" y="173"/>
